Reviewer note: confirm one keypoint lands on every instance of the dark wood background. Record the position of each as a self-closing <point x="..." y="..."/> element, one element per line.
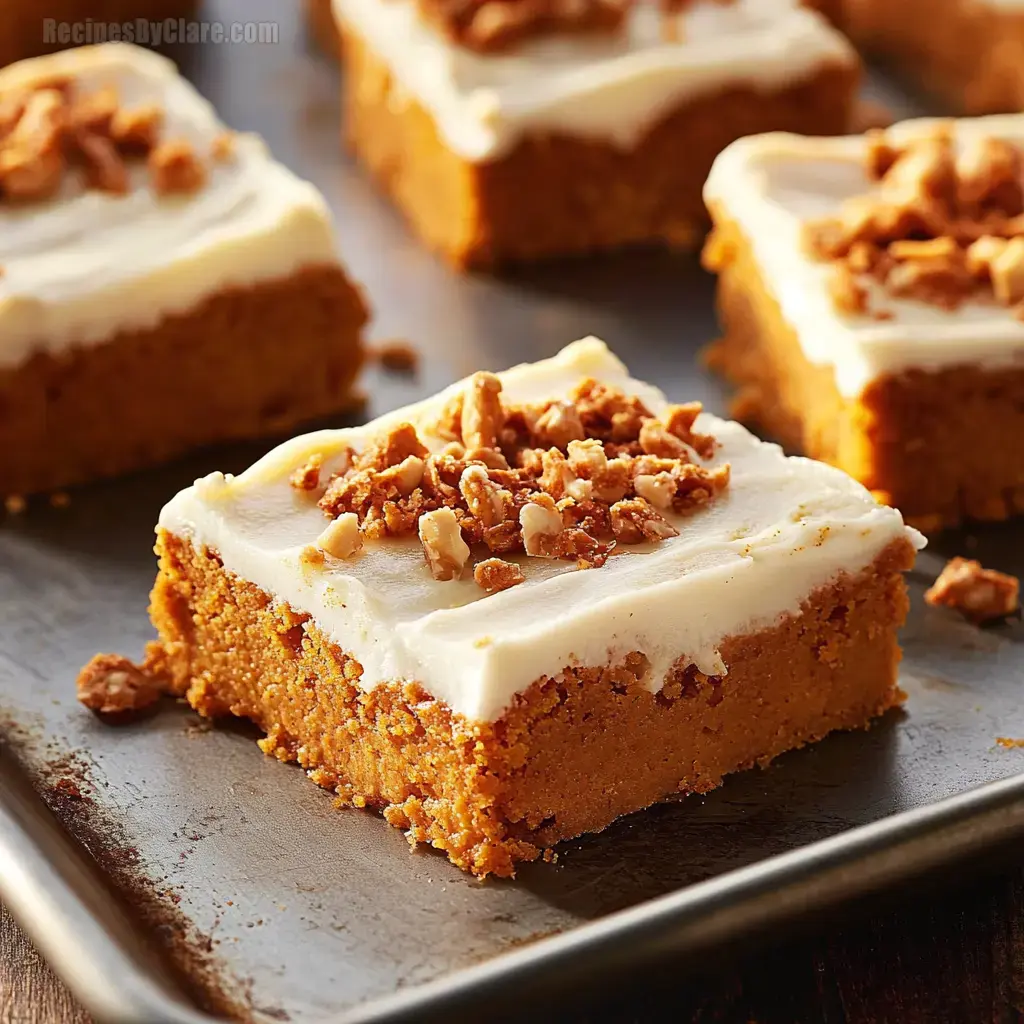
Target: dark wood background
<point x="951" y="950"/>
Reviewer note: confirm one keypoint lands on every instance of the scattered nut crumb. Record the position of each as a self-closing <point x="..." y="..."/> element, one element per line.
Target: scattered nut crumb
<point x="445" y="550"/>
<point x="307" y="476"/>
<point x="341" y="538"/>
<point x="977" y="593"/>
<point x="493" y="575"/>
<point x="15" y="504"/>
<point x="397" y="356"/>
<point x="110" y="684"/>
<point x="175" y="168"/>
<point x="224" y="147"/>
<point x="1006" y="741"/>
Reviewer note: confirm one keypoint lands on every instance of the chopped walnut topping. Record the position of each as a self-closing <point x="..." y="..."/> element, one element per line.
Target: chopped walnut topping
<point x="307" y="476"/>
<point x="944" y="226"/>
<point x="559" y="424"/>
<point x="224" y="147"/>
<point x="110" y="684"/>
<point x="493" y="575"/>
<point x="560" y="479"/>
<point x="658" y="488"/>
<point x="342" y="538"/>
<point x="135" y="131"/>
<point x="542" y="525"/>
<point x="487" y="501"/>
<point x="977" y="593"/>
<point x="105" y="169"/>
<point x="94" y="112"/>
<point x="492" y="25"/>
<point x="175" y="167"/>
<point x="49" y="129"/>
<point x="445" y="550"/>
<point x="1006" y="269"/>
<point x="482" y="413"/>
<point x="635" y="520"/>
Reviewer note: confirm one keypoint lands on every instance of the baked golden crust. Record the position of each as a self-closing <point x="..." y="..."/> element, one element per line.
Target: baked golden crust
<point x="559" y="195"/>
<point x="490" y="794"/>
<point x="290" y="349"/>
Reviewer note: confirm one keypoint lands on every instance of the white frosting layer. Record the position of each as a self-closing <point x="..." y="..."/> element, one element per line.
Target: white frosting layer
<point x="785" y="527"/>
<point x="86" y="264"/>
<point x="771" y="185"/>
<point x="613" y="88"/>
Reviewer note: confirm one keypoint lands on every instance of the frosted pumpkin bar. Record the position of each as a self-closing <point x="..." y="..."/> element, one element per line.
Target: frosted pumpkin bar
<point x="536" y="602"/>
<point x="518" y="129"/>
<point x="871" y="294"/>
<point x="164" y="284"/>
<point x="966" y="53"/>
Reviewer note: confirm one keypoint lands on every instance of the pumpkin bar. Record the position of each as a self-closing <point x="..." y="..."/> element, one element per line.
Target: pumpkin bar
<point x="967" y="53"/>
<point x="871" y="294"/>
<point x="32" y="28"/>
<point x="511" y="131"/>
<point x="531" y="604"/>
<point x="164" y="284"/>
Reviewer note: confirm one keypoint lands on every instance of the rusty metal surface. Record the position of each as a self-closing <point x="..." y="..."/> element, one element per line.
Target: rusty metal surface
<point x="268" y="900"/>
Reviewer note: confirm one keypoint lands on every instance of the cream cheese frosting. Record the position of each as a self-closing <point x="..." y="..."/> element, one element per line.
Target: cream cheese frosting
<point x="772" y="185"/>
<point x="86" y="264"/>
<point x="784" y="527"/>
<point x="609" y="88"/>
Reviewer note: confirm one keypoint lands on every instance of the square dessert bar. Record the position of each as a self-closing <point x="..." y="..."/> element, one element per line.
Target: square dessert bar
<point x="163" y="283"/>
<point x="512" y="131"/>
<point x="536" y="602"/>
<point x="968" y="53"/>
<point x="870" y="294"/>
<point x="32" y="28"/>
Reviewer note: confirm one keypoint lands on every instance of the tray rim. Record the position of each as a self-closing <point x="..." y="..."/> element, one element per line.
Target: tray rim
<point x="43" y="890"/>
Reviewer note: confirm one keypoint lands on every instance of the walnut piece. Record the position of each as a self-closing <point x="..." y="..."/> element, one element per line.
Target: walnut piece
<point x="110" y="684"/>
<point x="342" y="538"/>
<point x="977" y="593"/>
<point x="445" y="550"/>
<point x="307" y="476"/>
<point x="541" y="525"/>
<point x="174" y="167"/>
<point x="493" y="25"/>
<point x="482" y="414"/>
<point x="493" y="575"/>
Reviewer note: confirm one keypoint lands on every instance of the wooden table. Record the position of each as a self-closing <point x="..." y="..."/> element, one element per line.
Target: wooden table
<point x="951" y="952"/>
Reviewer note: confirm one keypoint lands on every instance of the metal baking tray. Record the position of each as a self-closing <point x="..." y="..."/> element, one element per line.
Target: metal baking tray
<point x="170" y="872"/>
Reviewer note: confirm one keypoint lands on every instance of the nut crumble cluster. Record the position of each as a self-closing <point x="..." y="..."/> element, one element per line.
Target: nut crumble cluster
<point x="50" y="129"/>
<point x="559" y="479"/>
<point x="945" y="225"/>
<point x="489" y="26"/>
